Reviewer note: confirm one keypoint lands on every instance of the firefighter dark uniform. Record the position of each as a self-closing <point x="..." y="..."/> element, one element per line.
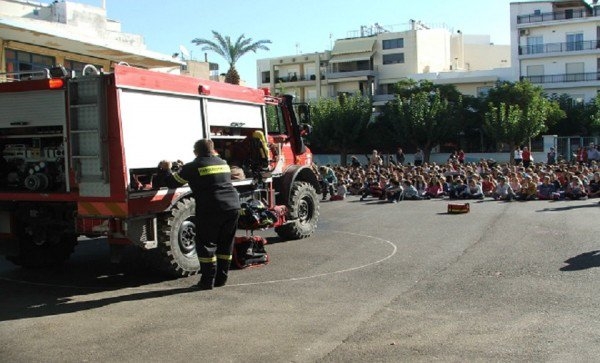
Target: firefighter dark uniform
<point x="217" y="211"/>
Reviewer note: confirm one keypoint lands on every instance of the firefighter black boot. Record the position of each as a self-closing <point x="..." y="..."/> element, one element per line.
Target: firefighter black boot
<point x="207" y="279"/>
<point x="222" y="271"/>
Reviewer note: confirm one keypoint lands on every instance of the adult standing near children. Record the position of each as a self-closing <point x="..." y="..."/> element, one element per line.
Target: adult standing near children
<point x="375" y="160"/>
<point x="328" y="180"/>
<point x="217" y="211"/>
<point x="400" y="157"/>
<point x="461" y="156"/>
<point x="551" y="157"/>
<point x="518" y="155"/>
<point x="526" y="155"/>
<point x="592" y="154"/>
<point x="419" y="157"/>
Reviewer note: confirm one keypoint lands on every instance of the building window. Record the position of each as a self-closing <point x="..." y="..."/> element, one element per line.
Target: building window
<point x="265" y="77"/>
<point x="393" y="58"/>
<point x="393" y="43"/>
<point x="535" y="45"/>
<point x="77" y="67"/>
<point x="574" y="41"/>
<point x="19" y="61"/>
<point x="575" y="72"/>
<point x="535" y="73"/>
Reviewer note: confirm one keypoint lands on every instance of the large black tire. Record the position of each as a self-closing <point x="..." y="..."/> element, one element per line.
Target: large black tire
<point x="303" y="212"/>
<point x="39" y="248"/>
<point x="176" y="244"/>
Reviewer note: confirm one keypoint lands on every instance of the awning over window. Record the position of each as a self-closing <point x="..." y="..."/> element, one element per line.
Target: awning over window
<point x="350" y="57"/>
<point x="354" y="45"/>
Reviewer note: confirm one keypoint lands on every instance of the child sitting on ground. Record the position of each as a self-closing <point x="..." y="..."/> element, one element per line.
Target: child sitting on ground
<point x="546" y="190"/>
<point x="575" y="189"/>
<point x="503" y="190"/>
<point x="394" y="191"/>
<point x="341" y="192"/>
<point x="528" y="189"/>
<point x="473" y="190"/>
<point x="410" y="192"/>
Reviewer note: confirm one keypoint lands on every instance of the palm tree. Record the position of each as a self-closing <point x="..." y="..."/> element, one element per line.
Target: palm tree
<point x="231" y="52"/>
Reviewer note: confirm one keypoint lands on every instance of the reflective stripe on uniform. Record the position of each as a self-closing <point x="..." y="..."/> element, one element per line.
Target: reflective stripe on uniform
<point x="224" y="257"/>
<point x="214" y="169"/>
<point x="207" y="259"/>
<point x="179" y="179"/>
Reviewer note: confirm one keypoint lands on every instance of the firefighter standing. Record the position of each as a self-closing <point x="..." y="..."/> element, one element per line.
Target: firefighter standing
<point x="217" y="211"/>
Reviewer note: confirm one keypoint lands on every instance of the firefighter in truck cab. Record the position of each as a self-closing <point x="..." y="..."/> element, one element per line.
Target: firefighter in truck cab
<point x="217" y="211"/>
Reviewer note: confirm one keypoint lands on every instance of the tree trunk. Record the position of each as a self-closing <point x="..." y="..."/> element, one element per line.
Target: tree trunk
<point x="426" y="152"/>
<point x="343" y="157"/>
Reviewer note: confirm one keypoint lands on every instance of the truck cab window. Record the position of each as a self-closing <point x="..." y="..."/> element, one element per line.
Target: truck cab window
<point x="276" y="125"/>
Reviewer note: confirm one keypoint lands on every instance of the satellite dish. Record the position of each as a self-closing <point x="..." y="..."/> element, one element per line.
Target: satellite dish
<point x="184" y="51"/>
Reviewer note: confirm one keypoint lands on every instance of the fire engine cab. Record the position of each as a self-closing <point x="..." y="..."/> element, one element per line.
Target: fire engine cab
<point x="80" y="156"/>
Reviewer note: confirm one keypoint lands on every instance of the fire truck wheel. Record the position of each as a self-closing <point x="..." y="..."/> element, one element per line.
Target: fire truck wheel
<point x="176" y="245"/>
<point x="303" y="212"/>
<point x="43" y="249"/>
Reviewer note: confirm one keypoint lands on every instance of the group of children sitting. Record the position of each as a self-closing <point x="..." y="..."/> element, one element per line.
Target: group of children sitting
<point x="454" y="180"/>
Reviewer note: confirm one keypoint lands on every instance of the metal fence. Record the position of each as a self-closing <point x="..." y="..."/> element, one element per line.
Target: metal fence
<point x="566" y="146"/>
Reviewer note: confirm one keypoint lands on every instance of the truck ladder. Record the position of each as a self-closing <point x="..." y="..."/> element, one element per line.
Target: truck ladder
<point x="89" y="149"/>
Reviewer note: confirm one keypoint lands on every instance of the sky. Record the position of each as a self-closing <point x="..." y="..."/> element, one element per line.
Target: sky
<point x="299" y="27"/>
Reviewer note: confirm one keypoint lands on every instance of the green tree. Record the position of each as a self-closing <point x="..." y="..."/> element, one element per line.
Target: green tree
<point x="581" y="118"/>
<point x="519" y="111"/>
<point x="339" y="124"/>
<point x="594" y="116"/>
<point x="232" y="52"/>
<point x="423" y="115"/>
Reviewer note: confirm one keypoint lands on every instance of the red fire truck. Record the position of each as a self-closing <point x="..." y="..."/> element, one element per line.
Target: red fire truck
<point x="80" y="156"/>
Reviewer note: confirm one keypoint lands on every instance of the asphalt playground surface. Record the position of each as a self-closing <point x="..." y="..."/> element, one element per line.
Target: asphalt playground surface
<point x="377" y="282"/>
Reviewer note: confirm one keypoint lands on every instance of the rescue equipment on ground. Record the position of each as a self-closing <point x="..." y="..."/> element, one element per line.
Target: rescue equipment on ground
<point x="249" y="251"/>
<point x="457" y="208"/>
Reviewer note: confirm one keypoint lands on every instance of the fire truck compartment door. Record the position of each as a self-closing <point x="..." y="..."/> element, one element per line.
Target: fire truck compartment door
<point x="158" y="126"/>
<point x="38" y="108"/>
<point x="229" y="114"/>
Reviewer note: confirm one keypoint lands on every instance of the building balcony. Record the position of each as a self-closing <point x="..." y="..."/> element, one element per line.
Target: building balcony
<point x="559" y="47"/>
<point x="332" y="75"/>
<point x="564" y="78"/>
<point x="295" y="80"/>
<point x="556" y="15"/>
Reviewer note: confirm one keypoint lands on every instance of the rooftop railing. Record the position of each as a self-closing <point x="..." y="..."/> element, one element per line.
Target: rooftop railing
<point x="556" y="15"/>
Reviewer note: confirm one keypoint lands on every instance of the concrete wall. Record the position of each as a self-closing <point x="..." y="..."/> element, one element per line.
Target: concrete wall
<point x="486" y="56"/>
<point x="434" y="53"/>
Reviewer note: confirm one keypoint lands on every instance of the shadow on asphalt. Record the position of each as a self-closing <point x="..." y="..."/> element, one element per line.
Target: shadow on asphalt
<point x="27" y="293"/>
<point x="582" y="261"/>
<point x="594" y="204"/>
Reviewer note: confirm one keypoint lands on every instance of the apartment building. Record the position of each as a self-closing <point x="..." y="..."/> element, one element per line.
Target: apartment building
<point x="34" y="36"/>
<point x="373" y="58"/>
<point x="556" y="44"/>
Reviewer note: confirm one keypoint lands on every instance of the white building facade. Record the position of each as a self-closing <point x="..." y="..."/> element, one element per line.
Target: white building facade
<point x="35" y="35"/>
<point x="376" y="58"/>
<point x="556" y="45"/>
